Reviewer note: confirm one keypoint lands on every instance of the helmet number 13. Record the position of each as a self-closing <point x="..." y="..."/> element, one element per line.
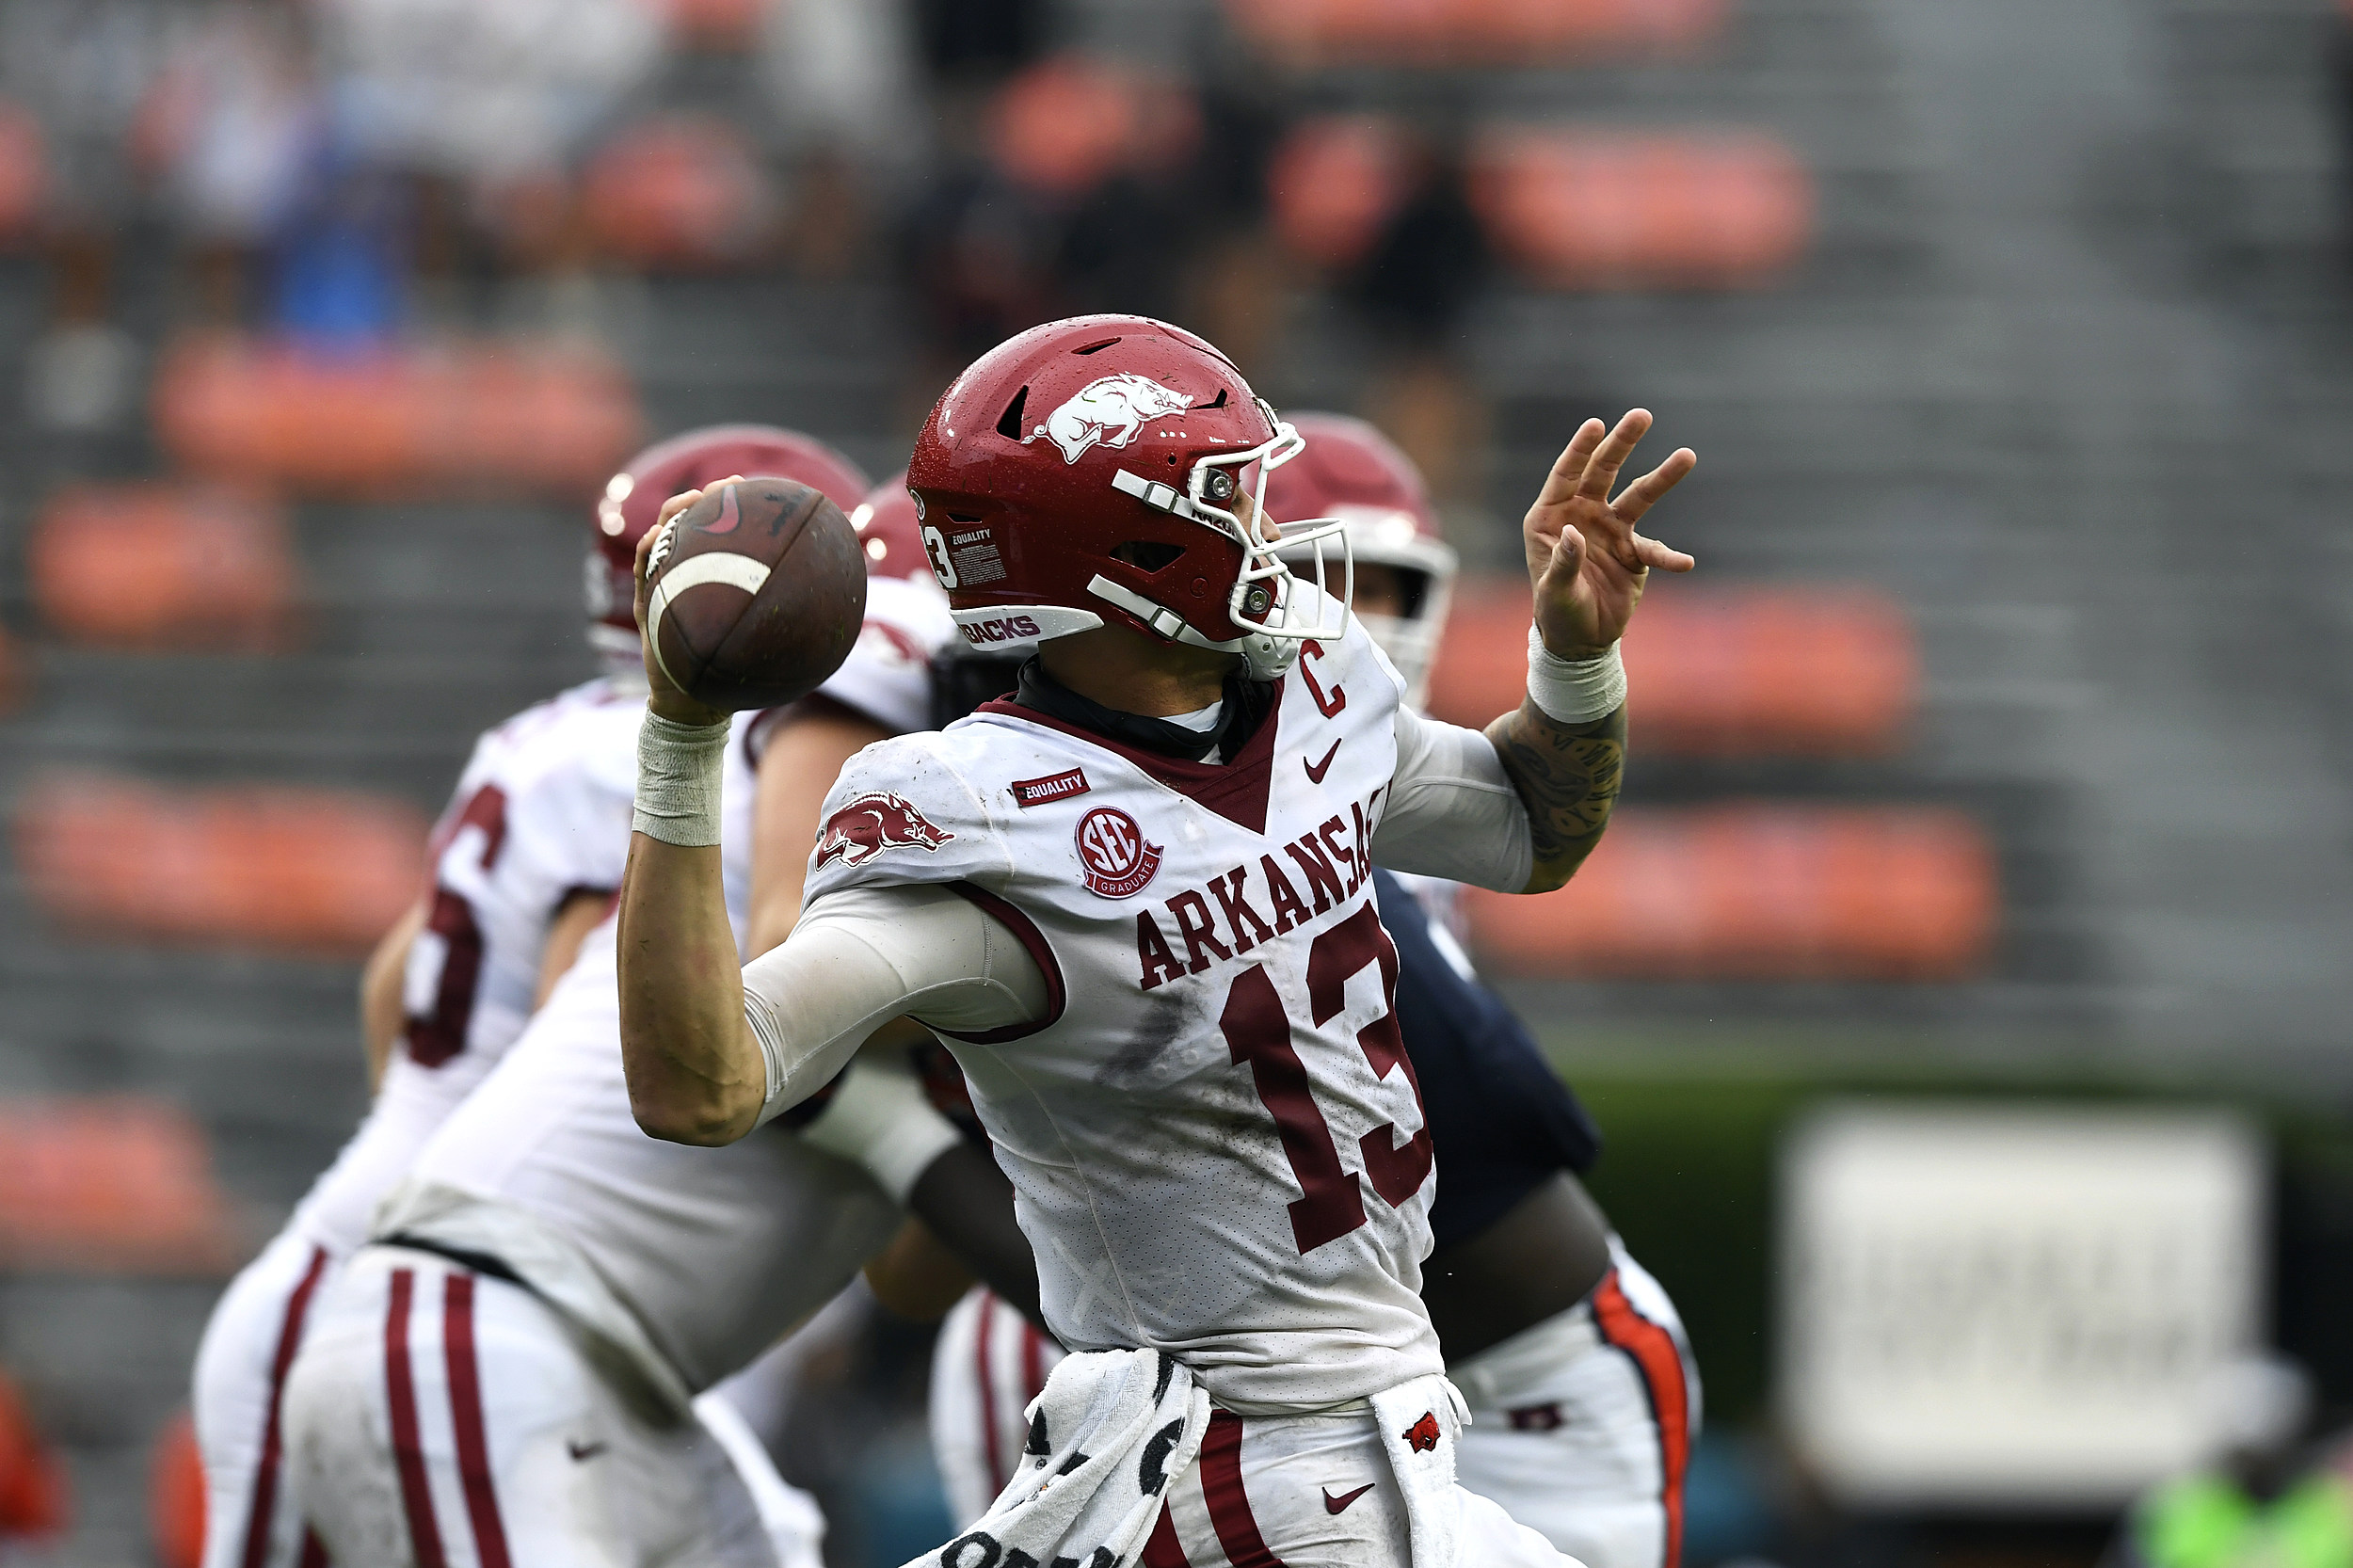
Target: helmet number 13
<point x="1258" y="1030"/>
<point x="935" y="546"/>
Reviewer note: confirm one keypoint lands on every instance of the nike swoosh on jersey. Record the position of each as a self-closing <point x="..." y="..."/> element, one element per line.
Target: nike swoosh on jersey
<point x="1317" y="770"/>
<point x="1333" y="1505"/>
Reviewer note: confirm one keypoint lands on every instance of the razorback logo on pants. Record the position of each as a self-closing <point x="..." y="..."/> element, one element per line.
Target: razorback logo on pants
<point x="869" y="825"/>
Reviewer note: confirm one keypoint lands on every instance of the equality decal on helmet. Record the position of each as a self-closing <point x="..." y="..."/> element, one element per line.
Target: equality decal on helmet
<point x="1110" y="410"/>
<point x="869" y="825"/>
<point x="1113" y="860"/>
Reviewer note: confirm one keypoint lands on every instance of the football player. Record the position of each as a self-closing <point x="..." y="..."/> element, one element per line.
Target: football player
<point x="1571" y="1358"/>
<point x="525" y="861"/>
<point x="517" y="1367"/>
<point x="1136" y="903"/>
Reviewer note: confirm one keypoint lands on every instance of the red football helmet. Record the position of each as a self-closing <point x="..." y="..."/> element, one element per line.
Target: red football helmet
<point x="1353" y="472"/>
<point x="1096" y="468"/>
<point x="888" y="526"/>
<point x="625" y="513"/>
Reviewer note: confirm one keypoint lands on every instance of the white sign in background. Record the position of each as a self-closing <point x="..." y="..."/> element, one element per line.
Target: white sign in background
<point x="1989" y="1305"/>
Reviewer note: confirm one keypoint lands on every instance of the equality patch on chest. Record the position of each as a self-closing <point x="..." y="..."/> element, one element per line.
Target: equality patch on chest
<point x="869" y="825"/>
<point x="1113" y="860"/>
<point x="1037" y="791"/>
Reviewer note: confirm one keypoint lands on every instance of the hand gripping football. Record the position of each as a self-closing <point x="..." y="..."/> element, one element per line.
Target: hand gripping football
<point x="756" y="592"/>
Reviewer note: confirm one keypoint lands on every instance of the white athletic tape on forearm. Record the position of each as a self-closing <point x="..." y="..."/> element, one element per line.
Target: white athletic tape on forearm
<point x="879" y="1118"/>
<point x="677" y="780"/>
<point x="1573" y="691"/>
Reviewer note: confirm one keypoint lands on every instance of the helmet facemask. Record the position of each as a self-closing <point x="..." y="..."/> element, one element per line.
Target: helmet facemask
<point x="1265" y="600"/>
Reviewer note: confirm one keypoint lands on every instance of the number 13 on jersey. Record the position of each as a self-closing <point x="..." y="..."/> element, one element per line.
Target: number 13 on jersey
<point x="1258" y="1032"/>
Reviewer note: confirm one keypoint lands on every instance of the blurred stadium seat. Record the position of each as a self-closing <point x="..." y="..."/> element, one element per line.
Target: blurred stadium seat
<point x="1589" y="210"/>
<point x="24" y="172"/>
<point x="113" y="1184"/>
<point x="1332" y="183"/>
<point x="175" y="1496"/>
<point x="715" y="24"/>
<point x="1754" y="672"/>
<point x="302" y="872"/>
<point x="1760" y="891"/>
<point x="681" y="192"/>
<point x="163" y="567"/>
<point x="1066" y="124"/>
<point x="395" y="419"/>
<point x="1453" y="32"/>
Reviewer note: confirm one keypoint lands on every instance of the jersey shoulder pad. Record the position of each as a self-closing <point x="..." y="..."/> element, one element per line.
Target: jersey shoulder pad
<point x="903" y="811"/>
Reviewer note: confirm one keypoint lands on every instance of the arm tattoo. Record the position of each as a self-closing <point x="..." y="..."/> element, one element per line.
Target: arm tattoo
<point x="1568" y="777"/>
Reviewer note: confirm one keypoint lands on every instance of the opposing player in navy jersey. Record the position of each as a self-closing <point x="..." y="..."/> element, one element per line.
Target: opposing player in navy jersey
<point x="1137" y="902"/>
<point x="1571" y="1358"/>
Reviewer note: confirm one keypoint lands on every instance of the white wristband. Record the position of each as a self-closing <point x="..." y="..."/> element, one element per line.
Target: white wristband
<point x="1573" y="691"/>
<point x="677" y="780"/>
<point x="879" y="1118"/>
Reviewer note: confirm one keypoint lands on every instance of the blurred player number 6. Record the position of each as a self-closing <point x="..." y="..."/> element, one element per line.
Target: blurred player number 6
<point x="758" y="593"/>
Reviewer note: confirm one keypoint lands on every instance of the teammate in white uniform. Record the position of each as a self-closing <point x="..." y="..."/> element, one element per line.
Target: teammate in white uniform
<point x="512" y="1371"/>
<point x="1570" y="1356"/>
<point x="526" y="860"/>
<point x="1136" y="903"/>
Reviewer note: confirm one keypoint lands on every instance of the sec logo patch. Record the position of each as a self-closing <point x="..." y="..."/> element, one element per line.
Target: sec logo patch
<point x="1113" y="856"/>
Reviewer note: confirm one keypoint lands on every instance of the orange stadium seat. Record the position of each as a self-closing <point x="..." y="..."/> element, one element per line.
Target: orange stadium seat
<point x="24" y="172"/>
<point x="1751" y="672"/>
<point x="1760" y="892"/>
<point x="716" y="24"/>
<point x="1066" y="123"/>
<point x="1333" y="182"/>
<point x="682" y="191"/>
<point x="175" y="1496"/>
<point x="300" y="872"/>
<point x="159" y="566"/>
<point x="1589" y="210"/>
<point x="110" y="1185"/>
<point x="1462" y="32"/>
<point x="498" y="416"/>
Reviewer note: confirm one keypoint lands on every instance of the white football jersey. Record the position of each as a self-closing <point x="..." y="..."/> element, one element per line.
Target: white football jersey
<point x="1215" y="1140"/>
<point x="540" y="812"/>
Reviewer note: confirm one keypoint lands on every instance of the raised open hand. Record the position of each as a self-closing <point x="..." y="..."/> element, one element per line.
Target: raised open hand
<point x="1584" y="557"/>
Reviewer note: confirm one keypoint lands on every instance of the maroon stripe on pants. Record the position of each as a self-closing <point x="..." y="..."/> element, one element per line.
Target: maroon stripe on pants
<point x="263" y="1502"/>
<point x="1032" y="1362"/>
<point x="997" y="1476"/>
<point x="465" y="1404"/>
<point x="1164" y="1550"/>
<point x="416" y="1491"/>
<point x="314" y="1551"/>
<point x="1229" y="1506"/>
<point x="1659" y="1361"/>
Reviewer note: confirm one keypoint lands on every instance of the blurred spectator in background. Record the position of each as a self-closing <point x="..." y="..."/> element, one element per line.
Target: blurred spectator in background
<point x="2261" y="1503"/>
<point x="226" y="132"/>
<point x="1414" y="288"/>
<point x="80" y="72"/>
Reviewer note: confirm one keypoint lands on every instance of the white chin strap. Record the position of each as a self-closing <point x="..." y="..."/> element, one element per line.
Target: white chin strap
<point x="1265" y="657"/>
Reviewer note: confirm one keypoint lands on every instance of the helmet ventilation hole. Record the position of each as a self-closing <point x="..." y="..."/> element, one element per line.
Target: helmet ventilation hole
<point x="1151" y="556"/>
<point x="1009" y="422"/>
<point x="1095" y="347"/>
<point x="1217" y="402"/>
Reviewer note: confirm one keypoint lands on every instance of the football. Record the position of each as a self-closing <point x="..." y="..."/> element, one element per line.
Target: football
<point x="758" y="592"/>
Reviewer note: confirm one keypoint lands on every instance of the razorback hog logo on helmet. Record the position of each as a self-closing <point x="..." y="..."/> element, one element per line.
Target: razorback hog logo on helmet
<point x="1110" y="410"/>
<point x="870" y="824"/>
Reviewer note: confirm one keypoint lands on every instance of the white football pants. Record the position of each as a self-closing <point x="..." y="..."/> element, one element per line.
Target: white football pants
<point x="250" y="1519"/>
<point x="1581" y="1425"/>
<point x="441" y="1419"/>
